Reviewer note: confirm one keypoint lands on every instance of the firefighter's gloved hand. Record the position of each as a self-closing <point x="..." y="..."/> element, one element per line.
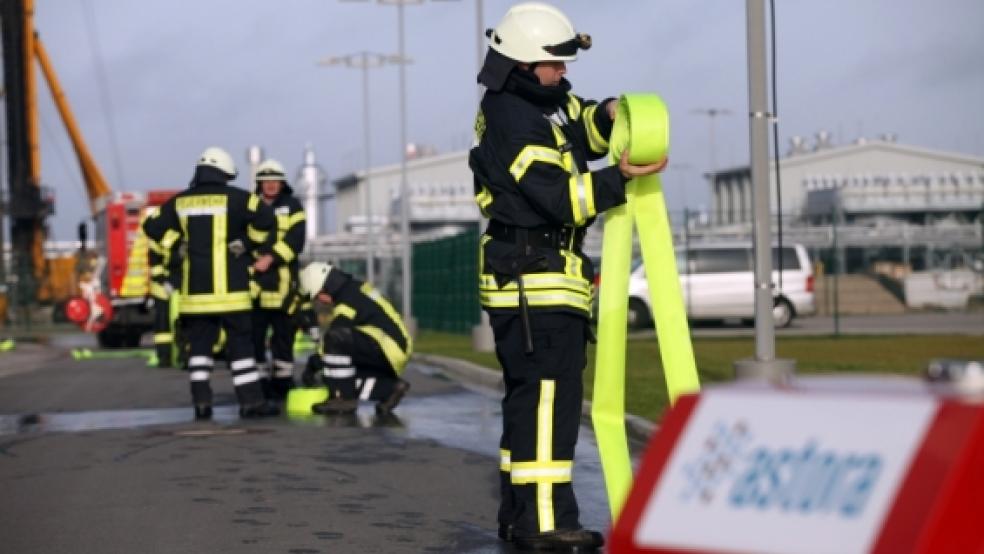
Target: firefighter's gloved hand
<point x="309" y="378"/>
<point x="237" y="247"/>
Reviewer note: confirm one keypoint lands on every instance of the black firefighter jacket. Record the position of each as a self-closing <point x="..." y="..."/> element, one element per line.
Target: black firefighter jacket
<point x="219" y="228"/>
<point x="359" y="305"/>
<point x="531" y="171"/>
<point x="273" y="286"/>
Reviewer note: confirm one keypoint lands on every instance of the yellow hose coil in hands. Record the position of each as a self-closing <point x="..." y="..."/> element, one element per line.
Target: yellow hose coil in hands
<point x="642" y="126"/>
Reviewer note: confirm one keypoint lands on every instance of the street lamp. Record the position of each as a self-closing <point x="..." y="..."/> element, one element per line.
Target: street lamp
<point x="406" y="247"/>
<point x="712" y="114"/>
<point x="366" y="61"/>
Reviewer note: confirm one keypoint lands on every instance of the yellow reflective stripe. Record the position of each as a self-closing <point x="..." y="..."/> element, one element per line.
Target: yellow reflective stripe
<point x="596" y="141"/>
<point x="283" y="251"/>
<point x="536" y="299"/>
<point x="484" y="199"/>
<point x="538" y="281"/>
<point x="171" y="236"/>
<point x="271" y="300"/>
<point x="394" y="354"/>
<point x="295" y="218"/>
<point x="213" y="303"/>
<point x="256" y="235"/>
<point x="220" y="276"/>
<point x="544" y="421"/>
<point x="163" y="338"/>
<point x="157" y="271"/>
<point x="155" y="247"/>
<point x="551" y="471"/>
<point x="253" y="202"/>
<point x="505" y="462"/>
<point x="368" y="290"/>
<point x="573" y="106"/>
<point x="544" y="452"/>
<point x="589" y="199"/>
<point x="157" y="290"/>
<point x="481" y="254"/>
<point x="533" y="153"/>
<point x="344" y="310"/>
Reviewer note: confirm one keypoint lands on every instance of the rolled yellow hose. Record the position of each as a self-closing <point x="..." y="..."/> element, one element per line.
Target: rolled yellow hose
<point x="642" y="126"/>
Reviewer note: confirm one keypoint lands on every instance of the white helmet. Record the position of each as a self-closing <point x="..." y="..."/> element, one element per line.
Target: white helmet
<point x="313" y="277"/>
<point x="213" y="156"/>
<point x="270" y="170"/>
<point x="536" y="32"/>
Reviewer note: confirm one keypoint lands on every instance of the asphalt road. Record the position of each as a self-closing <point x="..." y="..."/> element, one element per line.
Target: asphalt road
<point x="102" y="455"/>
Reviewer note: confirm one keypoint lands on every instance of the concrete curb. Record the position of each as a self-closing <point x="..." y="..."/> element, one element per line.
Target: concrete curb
<point x="638" y="429"/>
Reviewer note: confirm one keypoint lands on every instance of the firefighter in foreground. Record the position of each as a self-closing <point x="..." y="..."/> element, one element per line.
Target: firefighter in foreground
<point x="365" y="347"/>
<point x="534" y="140"/>
<point x="275" y="274"/>
<point x="217" y="226"/>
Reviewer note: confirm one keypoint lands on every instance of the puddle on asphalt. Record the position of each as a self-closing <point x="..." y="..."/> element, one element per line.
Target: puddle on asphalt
<point x="468" y="420"/>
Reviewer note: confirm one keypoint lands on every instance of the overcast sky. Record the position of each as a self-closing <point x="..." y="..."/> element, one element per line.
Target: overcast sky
<point x="154" y="82"/>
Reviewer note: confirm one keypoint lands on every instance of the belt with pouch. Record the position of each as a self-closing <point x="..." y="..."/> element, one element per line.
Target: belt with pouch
<point x="567" y="238"/>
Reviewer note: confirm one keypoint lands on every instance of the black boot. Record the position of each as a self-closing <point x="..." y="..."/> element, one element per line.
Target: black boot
<point x="163" y="352"/>
<point x="251" y="402"/>
<point x="262" y="409"/>
<point x="280" y="388"/>
<point x="336" y="405"/>
<point x="201" y="397"/>
<point x="561" y="540"/>
<point x="385" y="407"/>
<point x="506" y="532"/>
<point x="203" y="412"/>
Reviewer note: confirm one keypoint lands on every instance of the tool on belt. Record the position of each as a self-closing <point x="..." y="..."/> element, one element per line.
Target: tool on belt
<point x="523" y="259"/>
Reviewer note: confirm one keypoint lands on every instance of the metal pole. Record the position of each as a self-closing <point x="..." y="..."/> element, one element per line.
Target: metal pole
<point x="765" y="364"/>
<point x="370" y="238"/>
<point x="404" y="193"/>
<point x="835" y="255"/>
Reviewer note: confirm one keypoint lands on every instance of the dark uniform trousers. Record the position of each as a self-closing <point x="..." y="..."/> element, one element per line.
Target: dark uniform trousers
<point x="202" y="333"/>
<point x="163" y="333"/>
<point x="281" y="341"/>
<point x="354" y="366"/>
<point x="541" y="416"/>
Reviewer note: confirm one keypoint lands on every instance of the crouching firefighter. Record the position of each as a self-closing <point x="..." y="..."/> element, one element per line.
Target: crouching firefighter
<point x="218" y="226"/>
<point x="365" y="347"/>
<point x="534" y="139"/>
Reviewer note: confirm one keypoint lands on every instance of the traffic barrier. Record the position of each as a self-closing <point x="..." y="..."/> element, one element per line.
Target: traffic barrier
<point x="641" y="126"/>
<point x="862" y="465"/>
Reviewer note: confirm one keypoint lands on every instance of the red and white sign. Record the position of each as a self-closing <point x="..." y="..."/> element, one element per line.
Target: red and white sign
<point x="818" y="470"/>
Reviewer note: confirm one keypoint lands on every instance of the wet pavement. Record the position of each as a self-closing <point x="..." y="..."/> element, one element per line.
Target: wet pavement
<point x="102" y="455"/>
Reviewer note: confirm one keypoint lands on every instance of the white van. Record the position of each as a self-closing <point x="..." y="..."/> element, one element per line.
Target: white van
<point x="718" y="283"/>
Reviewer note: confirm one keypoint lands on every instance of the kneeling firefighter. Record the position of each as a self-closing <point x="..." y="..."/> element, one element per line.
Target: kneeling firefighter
<point x="365" y="347"/>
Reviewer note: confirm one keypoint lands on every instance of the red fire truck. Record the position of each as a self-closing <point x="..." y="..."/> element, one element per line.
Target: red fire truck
<point x="114" y="278"/>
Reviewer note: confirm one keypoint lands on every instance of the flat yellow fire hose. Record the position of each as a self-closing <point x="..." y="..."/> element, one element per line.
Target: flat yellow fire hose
<point x="642" y="125"/>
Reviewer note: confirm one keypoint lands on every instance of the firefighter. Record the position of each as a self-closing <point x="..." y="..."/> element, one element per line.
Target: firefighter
<point x="534" y="139"/>
<point x="165" y="273"/>
<point x="275" y="275"/>
<point x="217" y="226"/>
<point x="365" y="347"/>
